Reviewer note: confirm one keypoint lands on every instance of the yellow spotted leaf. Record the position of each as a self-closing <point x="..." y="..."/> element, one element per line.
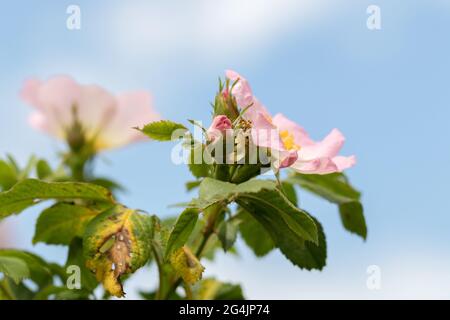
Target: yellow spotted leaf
<point x="186" y="265"/>
<point x="116" y="243"/>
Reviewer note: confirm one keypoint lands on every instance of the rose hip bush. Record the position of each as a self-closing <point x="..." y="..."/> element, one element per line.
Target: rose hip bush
<point x="247" y="165"/>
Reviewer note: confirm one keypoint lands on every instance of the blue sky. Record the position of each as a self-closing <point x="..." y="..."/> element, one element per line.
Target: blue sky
<point x="314" y="61"/>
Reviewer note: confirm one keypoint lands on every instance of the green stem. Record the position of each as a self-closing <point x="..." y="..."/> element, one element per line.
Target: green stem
<point x="188" y="291"/>
<point x="207" y="233"/>
<point x="77" y="160"/>
<point x="78" y="172"/>
<point x="6" y="291"/>
<point x="198" y="253"/>
<point x="173" y="288"/>
<point x="202" y="245"/>
<point x="160" y="264"/>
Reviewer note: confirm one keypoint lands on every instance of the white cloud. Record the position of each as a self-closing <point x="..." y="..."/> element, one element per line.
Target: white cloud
<point x="205" y="28"/>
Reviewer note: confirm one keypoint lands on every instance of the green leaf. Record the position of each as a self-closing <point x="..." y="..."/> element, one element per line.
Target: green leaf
<point x="212" y="289"/>
<point x="162" y="231"/>
<point x="29" y="192"/>
<point x="76" y="257"/>
<point x="181" y="231"/>
<point x="197" y="165"/>
<point x="62" y="222"/>
<point x="292" y="230"/>
<point x="313" y="255"/>
<point x="288" y="232"/>
<point x="5" y="293"/>
<point x="337" y="189"/>
<point x="264" y="194"/>
<point x="152" y="295"/>
<point x="289" y="191"/>
<point x="302" y="253"/>
<point x="57" y="270"/>
<point x="71" y="295"/>
<point x="228" y="233"/>
<point x="8" y="175"/>
<point x="108" y="184"/>
<point x="14" y="291"/>
<point x="60" y="293"/>
<point x="254" y="235"/>
<point x="229" y="291"/>
<point x="14" y="268"/>
<point x="213" y="191"/>
<point x="333" y="187"/>
<point x="352" y="217"/>
<point x="25" y="172"/>
<point x="213" y="245"/>
<point x="40" y="272"/>
<point x="191" y="185"/>
<point x="43" y="169"/>
<point x="131" y="233"/>
<point x="13" y="163"/>
<point x="163" y="130"/>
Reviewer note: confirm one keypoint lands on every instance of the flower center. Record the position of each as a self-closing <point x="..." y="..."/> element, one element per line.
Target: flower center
<point x="245" y="124"/>
<point x="288" y="140"/>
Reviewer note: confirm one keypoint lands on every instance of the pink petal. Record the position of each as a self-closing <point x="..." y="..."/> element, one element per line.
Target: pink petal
<point x="301" y="137"/>
<point x="219" y="125"/>
<point x="96" y="108"/>
<point x="282" y="159"/>
<point x="55" y="99"/>
<point x="30" y="90"/>
<point x="343" y="163"/>
<point x="242" y="90"/>
<point x="134" y="109"/>
<point x="327" y="148"/>
<point x="265" y="134"/>
<point x="106" y="119"/>
<point x="316" y="166"/>
<point x="38" y="121"/>
<point x="322" y="157"/>
<point x="288" y="159"/>
<point x="255" y="110"/>
<point x="324" y="165"/>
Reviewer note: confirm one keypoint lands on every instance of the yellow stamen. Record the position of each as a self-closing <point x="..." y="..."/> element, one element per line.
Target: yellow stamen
<point x="288" y="140"/>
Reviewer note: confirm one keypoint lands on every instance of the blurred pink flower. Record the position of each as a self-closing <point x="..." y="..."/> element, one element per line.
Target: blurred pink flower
<point x="107" y="120"/>
<point x="292" y="145"/>
<point x="218" y="127"/>
<point x="5" y="234"/>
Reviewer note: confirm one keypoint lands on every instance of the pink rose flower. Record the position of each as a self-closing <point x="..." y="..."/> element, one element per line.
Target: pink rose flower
<point x="107" y="120"/>
<point x="218" y="127"/>
<point x="288" y="141"/>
